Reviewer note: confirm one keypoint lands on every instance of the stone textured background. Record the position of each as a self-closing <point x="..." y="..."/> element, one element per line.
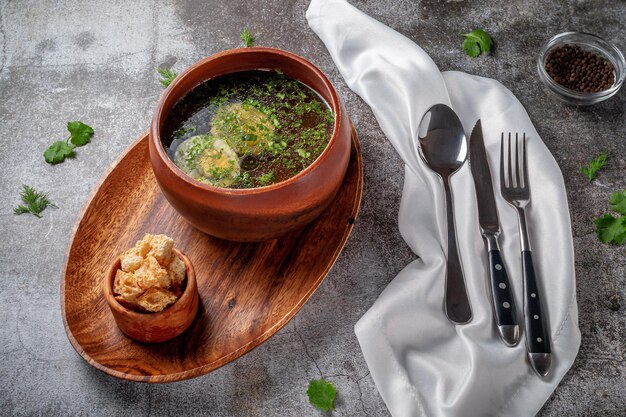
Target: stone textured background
<point x="94" y="61"/>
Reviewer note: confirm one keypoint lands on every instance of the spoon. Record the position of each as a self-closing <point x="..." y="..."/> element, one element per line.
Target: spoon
<point x="443" y="146"/>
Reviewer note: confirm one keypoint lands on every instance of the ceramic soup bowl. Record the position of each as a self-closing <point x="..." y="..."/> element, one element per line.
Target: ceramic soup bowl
<point x="252" y="214"/>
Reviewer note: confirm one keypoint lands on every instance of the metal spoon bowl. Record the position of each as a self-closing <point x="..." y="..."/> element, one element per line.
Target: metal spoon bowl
<point x="442" y="145"/>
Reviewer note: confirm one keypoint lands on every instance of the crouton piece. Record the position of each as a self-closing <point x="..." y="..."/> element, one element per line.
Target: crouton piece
<point x="125" y="285"/>
<point x="128" y="304"/>
<point x="176" y="270"/>
<point x="161" y="248"/>
<point x="130" y="261"/>
<point x="143" y="246"/>
<point x="156" y="299"/>
<point x="152" y="274"/>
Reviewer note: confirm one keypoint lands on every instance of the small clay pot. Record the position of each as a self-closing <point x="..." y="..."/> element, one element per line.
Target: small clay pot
<point x="262" y="213"/>
<point x="160" y="326"/>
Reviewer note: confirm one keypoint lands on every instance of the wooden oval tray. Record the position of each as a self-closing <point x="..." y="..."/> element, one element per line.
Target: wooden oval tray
<point x="248" y="291"/>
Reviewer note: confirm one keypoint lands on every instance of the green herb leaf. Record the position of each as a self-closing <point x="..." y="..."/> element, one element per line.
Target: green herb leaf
<point x="21" y="210"/>
<point x="167" y="76"/>
<point x="80" y="133"/>
<point x="594" y="166"/>
<point x="247" y="38"/>
<point x="322" y="394"/>
<point x="34" y="201"/>
<point x="57" y="152"/>
<point x="618" y="202"/>
<point x="477" y="41"/>
<point x="266" y="178"/>
<point x="611" y="230"/>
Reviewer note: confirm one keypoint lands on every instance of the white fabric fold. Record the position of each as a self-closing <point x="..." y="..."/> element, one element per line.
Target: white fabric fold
<point x="422" y="364"/>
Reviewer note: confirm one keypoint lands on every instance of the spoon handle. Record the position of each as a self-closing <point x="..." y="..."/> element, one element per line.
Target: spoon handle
<point x="457" y="303"/>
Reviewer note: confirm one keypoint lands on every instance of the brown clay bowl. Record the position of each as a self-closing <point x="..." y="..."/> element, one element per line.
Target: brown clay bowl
<point x="155" y="327"/>
<point x="255" y="214"/>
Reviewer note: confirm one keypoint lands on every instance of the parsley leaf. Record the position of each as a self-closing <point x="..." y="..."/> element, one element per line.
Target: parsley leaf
<point x="611" y="229"/>
<point x="80" y="133"/>
<point x="57" y="152"/>
<point x="594" y="166"/>
<point x="618" y="202"/>
<point x="247" y="38"/>
<point x="322" y="394"/>
<point x="34" y="201"/>
<point x="477" y="41"/>
<point x="167" y="76"/>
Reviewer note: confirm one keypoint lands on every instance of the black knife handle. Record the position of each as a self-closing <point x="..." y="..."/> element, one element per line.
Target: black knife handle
<point x="503" y="300"/>
<point x="537" y="335"/>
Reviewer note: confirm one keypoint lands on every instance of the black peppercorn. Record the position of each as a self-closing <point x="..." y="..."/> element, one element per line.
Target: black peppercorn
<point x="577" y="69"/>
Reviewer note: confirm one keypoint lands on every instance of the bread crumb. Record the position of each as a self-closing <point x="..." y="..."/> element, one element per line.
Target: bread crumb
<point x="126" y="286"/>
<point x="176" y="270"/>
<point x="156" y="299"/>
<point x="151" y="277"/>
<point x="131" y="262"/>
<point x="161" y="248"/>
<point x="152" y="274"/>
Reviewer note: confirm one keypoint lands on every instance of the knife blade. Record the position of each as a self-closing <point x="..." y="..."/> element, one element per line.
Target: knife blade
<point x="503" y="302"/>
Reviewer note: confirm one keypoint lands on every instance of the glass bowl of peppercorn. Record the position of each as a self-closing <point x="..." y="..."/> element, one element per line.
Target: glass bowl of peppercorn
<point x="580" y="68"/>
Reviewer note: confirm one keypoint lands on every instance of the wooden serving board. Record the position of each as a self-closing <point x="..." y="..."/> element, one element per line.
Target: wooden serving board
<point x="248" y="291"/>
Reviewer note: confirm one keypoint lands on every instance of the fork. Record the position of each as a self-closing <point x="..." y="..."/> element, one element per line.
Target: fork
<point x="517" y="194"/>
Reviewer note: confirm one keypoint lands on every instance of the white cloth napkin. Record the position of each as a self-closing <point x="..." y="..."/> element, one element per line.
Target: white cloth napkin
<point x="422" y="364"/>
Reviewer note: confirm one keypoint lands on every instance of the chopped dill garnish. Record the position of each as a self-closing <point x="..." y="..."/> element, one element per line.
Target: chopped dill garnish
<point x="167" y="76"/>
<point x="247" y="38"/>
<point x="34" y="202"/>
<point x="594" y="166"/>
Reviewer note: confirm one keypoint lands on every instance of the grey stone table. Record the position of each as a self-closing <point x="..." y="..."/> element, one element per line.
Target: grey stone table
<point x="94" y="60"/>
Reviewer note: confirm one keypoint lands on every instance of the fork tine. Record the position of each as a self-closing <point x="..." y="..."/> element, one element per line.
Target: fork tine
<point x="525" y="159"/>
<point x="518" y="183"/>
<point x="502" y="183"/>
<point x="510" y="174"/>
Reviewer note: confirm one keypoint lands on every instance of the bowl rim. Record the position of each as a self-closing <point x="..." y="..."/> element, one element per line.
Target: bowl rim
<point x="155" y="139"/>
<point x="579" y="95"/>
<point x="190" y="290"/>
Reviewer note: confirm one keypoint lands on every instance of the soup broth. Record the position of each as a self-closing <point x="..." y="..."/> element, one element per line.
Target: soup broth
<point x="247" y="129"/>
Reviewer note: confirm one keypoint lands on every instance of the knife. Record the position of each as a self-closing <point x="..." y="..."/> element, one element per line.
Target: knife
<point x="501" y="291"/>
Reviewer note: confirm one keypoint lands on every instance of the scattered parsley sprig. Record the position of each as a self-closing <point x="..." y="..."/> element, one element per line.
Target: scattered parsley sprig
<point x="80" y="135"/>
<point x="476" y="42"/>
<point x="610" y="229"/>
<point x="167" y="76"/>
<point x="34" y="202"/>
<point x="322" y="394"/>
<point x="247" y="38"/>
<point x="592" y="168"/>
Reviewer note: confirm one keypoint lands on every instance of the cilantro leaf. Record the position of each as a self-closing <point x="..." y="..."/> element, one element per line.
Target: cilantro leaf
<point x="471" y="48"/>
<point x="322" y="394"/>
<point x="80" y="133"/>
<point x="611" y="230"/>
<point x="57" y="152"/>
<point x="247" y="38"/>
<point x="594" y="166"/>
<point x="618" y="202"/>
<point x="167" y="76"/>
<point x="35" y="202"/>
<point x="477" y="41"/>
